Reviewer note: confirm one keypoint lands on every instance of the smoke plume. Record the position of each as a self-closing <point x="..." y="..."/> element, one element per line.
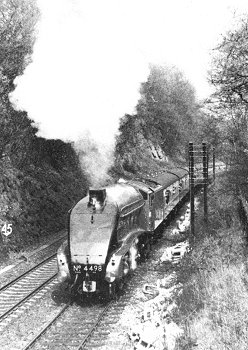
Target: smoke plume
<point x="90" y="57"/>
<point x="85" y="74"/>
<point x="95" y="160"/>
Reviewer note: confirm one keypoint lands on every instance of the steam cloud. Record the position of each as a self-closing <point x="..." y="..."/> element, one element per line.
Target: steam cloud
<point x="90" y="57"/>
<point x="96" y="159"/>
<point x="81" y="79"/>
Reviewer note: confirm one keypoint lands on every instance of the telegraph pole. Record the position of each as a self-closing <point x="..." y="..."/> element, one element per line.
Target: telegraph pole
<point x="213" y="163"/>
<point x="205" y="179"/>
<point x="192" y="188"/>
<point x="196" y="153"/>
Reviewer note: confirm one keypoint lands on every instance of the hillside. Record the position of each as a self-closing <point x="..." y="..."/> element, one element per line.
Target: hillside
<point x="36" y="195"/>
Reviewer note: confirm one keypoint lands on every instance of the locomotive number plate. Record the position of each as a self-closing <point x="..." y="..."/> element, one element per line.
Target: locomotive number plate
<point x="93" y="268"/>
<point x="87" y="268"/>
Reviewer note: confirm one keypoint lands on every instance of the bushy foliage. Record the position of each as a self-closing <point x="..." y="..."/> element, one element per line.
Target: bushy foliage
<point x="214" y="300"/>
<point x="229" y="104"/>
<point x="165" y="118"/>
<point x="17" y="34"/>
<point x="40" y="179"/>
<point x="132" y="151"/>
<point x="167" y="107"/>
<point x="222" y="323"/>
<point x="35" y="199"/>
<point x="230" y="72"/>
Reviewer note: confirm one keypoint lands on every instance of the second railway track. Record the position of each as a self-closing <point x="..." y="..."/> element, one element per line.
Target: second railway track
<point x="15" y="293"/>
<point x="89" y="325"/>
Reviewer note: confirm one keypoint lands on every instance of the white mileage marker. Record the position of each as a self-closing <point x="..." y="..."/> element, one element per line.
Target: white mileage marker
<point x="6" y="229"/>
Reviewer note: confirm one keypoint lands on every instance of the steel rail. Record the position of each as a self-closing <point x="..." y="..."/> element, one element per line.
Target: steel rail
<point x="9" y="311"/>
<point x="47" y="326"/>
<point x="31" y="269"/>
<point x="99" y="318"/>
<point x="3" y="288"/>
<point x="50" y="323"/>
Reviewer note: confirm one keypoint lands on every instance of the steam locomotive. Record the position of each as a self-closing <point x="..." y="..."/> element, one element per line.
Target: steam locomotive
<point x="111" y="229"/>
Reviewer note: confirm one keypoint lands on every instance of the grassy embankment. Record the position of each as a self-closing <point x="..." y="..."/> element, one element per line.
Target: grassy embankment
<point x="214" y="303"/>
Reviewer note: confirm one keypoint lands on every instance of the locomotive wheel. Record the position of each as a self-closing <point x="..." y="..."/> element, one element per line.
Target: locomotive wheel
<point x="154" y="238"/>
<point x="61" y="294"/>
<point x="121" y="285"/>
<point x="112" y="290"/>
<point x="60" y="297"/>
<point x="145" y="251"/>
<point x="126" y="264"/>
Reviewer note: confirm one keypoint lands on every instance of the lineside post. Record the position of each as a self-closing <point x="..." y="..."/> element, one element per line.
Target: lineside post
<point x="213" y="163"/>
<point x="191" y="188"/>
<point x="205" y="181"/>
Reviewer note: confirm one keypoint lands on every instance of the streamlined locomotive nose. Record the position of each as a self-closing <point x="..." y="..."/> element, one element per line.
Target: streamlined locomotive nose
<point x="92" y="224"/>
<point x="90" y="234"/>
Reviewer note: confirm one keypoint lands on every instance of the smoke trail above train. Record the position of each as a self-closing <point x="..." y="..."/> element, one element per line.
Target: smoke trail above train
<point x="81" y="78"/>
<point x="91" y="56"/>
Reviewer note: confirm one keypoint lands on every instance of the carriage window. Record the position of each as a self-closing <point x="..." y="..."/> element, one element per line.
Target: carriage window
<point x="131" y="219"/>
<point x="151" y="199"/>
<point x="136" y="216"/>
<point x="144" y="194"/>
<point x="180" y="186"/>
<point x="167" y="196"/>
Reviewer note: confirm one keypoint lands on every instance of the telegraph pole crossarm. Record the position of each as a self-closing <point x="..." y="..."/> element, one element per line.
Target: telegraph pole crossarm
<point x="205" y="176"/>
<point x="191" y="187"/>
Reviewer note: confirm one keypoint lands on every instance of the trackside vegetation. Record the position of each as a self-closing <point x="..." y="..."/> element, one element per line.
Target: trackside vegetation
<point x="39" y="179"/>
<point x="214" y="303"/>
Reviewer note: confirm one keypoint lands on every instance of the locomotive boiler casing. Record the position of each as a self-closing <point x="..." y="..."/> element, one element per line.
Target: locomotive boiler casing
<point x="102" y="231"/>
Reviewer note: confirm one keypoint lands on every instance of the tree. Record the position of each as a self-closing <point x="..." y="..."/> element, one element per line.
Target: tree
<point x="229" y="75"/>
<point x="130" y="150"/>
<point x="167" y="107"/>
<point x="17" y="34"/>
<point x="17" y="28"/>
<point x="230" y="72"/>
<point x="166" y="117"/>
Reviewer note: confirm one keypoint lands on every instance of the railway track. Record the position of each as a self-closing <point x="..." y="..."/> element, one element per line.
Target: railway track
<point x="86" y="326"/>
<point x="24" y="287"/>
<point x="72" y="327"/>
<point x="21" y="267"/>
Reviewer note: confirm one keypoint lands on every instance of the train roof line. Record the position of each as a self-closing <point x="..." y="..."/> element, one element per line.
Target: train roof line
<point x="145" y="181"/>
<point x="170" y="172"/>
